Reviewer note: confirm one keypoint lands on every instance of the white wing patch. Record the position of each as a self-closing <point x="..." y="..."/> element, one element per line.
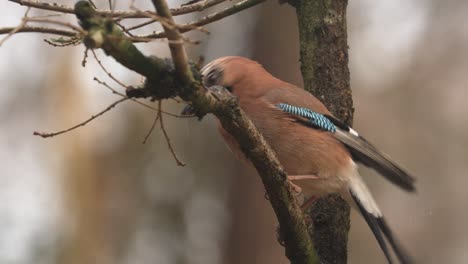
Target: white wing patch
<point x="353" y="132"/>
<point x="362" y="193"/>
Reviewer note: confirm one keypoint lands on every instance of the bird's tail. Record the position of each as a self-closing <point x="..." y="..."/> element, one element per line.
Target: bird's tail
<point x="374" y="218"/>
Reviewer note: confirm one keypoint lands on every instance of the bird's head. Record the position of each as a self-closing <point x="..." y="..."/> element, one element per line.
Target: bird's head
<point x="242" y="77"/>
<point x="231" y="71"/>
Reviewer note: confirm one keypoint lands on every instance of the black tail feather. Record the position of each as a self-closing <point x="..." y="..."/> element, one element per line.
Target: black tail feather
<point x="401" y="254"/>
<point x="380" y="229"/>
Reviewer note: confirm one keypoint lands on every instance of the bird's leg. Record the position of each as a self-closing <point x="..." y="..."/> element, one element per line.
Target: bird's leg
<point x="298" y="189"/>
<point x="294" y="186"/>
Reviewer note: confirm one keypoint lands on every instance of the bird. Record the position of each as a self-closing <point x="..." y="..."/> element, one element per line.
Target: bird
<point x="318" y="152"/>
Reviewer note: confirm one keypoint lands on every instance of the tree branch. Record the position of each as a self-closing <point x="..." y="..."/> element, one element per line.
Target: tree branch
<point x="324" y="65"/>
<point x="162" y="82"/>
<point x="236" y="8"/>
<point x="55" y="31"/>
<point x="183" y="28"/>
<point x="186" y="9"/>
<point x="179" y="56"/>
<point x="84" y="123"/>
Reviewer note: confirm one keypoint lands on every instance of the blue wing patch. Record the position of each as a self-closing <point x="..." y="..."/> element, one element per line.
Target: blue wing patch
<point x="315" y="119"/>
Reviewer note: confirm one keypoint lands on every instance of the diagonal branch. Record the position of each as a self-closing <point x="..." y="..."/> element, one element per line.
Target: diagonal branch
<point x="186" y="9"/>
<point x="84" y="123"/>
<point x="183" y="28"/>
<point x="16" y="29"/>
<point x="28" y="29"/>
<point x="179" y="55"/>
<point x="164" y="82"/>
<point x="236" y="8"/>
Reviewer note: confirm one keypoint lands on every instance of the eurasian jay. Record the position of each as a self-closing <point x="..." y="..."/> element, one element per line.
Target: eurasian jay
<point x="318" y="151"/>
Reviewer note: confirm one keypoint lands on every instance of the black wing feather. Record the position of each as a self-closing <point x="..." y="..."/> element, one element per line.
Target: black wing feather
<point x="367" y="154"/>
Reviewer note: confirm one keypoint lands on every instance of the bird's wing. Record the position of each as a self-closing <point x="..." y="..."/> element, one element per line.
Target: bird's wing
<point x="361" y="150"/>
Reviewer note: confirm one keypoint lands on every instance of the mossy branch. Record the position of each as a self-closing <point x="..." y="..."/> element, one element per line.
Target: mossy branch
<point x="163" y="81"/>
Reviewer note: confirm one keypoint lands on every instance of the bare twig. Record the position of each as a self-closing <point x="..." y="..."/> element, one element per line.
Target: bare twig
<point x="138" y="102"/>
<point x="48" y="16"/>
<point x="166" y="22"/>
<point x="110" y="88"/>
<point x="202" y="5"/>
<point x="73" y="41"/>
<point x="150" y="131"/>
<point x="18" y="28"/>
<point x="46" y="135"/>
<point x="168" y="140"/>
<point x="149" y="22"/>
<point x="92" y="3"/>
<point x="211" y="18"/>
<point x="195" y="7"/>
<point x="85" y="58"/>
<point x="56" y="22"/>
<point x="107" y="72"/>
<point x="22" y="27"/>
<point x="45" y="6"/>
<point x="25" y="29"/>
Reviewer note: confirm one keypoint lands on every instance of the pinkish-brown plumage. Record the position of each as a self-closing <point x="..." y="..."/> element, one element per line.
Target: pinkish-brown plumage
<point x="302" y="149"/>
<point x="258" y="92"/>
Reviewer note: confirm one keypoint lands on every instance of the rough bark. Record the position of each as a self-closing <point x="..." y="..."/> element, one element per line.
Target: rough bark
<point x="324" y="66"/>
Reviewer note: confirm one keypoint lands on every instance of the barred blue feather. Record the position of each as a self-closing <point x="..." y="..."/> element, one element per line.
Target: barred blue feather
<point x="315" y="118"/>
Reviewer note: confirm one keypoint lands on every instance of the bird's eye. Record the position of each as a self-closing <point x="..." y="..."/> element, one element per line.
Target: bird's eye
<point x="212" y="78"/>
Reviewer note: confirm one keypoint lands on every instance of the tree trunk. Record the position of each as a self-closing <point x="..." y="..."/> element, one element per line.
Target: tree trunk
<point x="324" y="66"/>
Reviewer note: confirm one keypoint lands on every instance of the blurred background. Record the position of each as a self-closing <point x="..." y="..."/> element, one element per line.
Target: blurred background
<point x="98" y="195"/>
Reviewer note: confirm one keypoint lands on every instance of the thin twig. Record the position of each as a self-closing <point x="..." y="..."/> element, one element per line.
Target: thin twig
<point x="85" y="58"/>
<point x="49" y="15"/>
<point x="149" y="22"/>
<point x="167" y="22"/>
<point x="168" y="140"/>
<point x="211" y="18"/>
<point x="186" y="27"/>
<point x="107" y="72"/>
<point x="110" y="88"/>
<point x="138" y="102"/>
<point x="145" y="39"/>
<point x="56" y="22"/>
<point x="25" y="29"/>
<point x="73" y="41"/>
<point x="46" y="135"/>
<point x="122" y="14"/>
<point x="18" y="28"/>
<point x="92" y="3"/>
<point x="124" y="29"/>
<point x="150" y="131"/>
